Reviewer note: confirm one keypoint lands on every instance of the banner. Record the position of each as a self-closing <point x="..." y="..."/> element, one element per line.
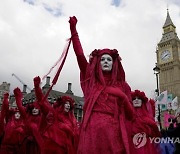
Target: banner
<point x="162" y="98"/>
<point x="175" y="103"/>
<point x="169" y="101"/>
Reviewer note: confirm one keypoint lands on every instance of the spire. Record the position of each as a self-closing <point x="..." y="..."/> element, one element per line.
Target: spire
<point x="169" y="30"/>
<point x="168" y="20"/>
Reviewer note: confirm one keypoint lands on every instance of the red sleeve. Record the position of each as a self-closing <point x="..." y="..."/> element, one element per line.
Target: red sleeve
<point x="123" y="100"/>
<point x="45" y="107"/>
<point x="138" y="126"/>
<point x="5" y="107"/>
<point x="38" y="91"/>
<point x="4" y="110"/>
<point x="128" y="109"/>
<point x="1" y="124"/>
<point x="127" y="90"/>
<point x="152" y="124"/>
<point x="82" y="62"/>
<point x="18" y="97"/>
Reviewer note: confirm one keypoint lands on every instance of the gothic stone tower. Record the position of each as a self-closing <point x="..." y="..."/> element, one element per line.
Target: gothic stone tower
<point x="168" y="59"/>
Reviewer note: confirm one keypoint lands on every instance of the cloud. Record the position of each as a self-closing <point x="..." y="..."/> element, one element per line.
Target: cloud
<point x="54" y="11"/>
<point x="31" y="2"/>
<point x="176" y="2"/>
<point x="33" y="35"/>
<point x="116" y="2"/>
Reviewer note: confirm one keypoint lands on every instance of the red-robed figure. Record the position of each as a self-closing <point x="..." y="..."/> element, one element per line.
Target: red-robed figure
<point x="107" y="100"/>
<point x="31" y="117"/>
<point x="65" y="109"/>
<point x="143" y="126"/>
<point x="3" y="113"/>
<point x="14" y="131"/>
<point x="57" y="126"/>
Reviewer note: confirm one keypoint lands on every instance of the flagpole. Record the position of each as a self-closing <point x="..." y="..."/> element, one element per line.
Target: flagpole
<point x="156" y="70"/>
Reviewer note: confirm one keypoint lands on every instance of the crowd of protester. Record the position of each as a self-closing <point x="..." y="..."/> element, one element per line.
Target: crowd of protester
<point x="116" y="120"/>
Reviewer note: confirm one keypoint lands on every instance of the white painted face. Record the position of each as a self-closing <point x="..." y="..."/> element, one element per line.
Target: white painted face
<point x="17" y="115"/>
<point x="137" y="102"/>
<point x="35" y="111"/>
<point x="67" y="106"/>
<point x="106" y="62"/>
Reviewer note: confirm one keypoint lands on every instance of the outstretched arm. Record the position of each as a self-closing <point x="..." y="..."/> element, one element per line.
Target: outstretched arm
<point x="4" y="110"/>
<point x="82" y="62"/>
<point x="38" y="91"/>
<point x="45" y="107"/>
<point x="5" y="104"/>
<point x="18" y="96"/>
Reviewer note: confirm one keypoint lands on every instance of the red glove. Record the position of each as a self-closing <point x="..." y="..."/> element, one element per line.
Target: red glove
<point x="37" y="81"/>
<point x="5" y="101"/>
<point x="18" y="96"/>
<point x="17" y="93"/>
<point x="149" y="121"/>
<point x="116" y="92"/>
<point x="73" y="21"/>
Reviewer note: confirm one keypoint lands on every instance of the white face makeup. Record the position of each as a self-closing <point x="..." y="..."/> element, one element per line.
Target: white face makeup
<point x="35" y="111"/>
<point x="106" y="62"/>
<point x="67" y="106"/>
<point x="137" y="102"/>
<point x="17" y="115"/>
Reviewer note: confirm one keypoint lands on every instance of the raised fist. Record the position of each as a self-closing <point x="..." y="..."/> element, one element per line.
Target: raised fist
<point x="17" y="92"/>
<point x="37" y="81"/>
<point x="73" y="21"/>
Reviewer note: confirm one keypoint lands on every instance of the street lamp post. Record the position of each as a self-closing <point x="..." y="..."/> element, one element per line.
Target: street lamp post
<point x="156" y="70"/>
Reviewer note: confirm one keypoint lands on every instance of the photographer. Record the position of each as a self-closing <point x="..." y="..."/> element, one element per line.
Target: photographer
<point x="175" y="132"/>
<point x="171" y="122"/>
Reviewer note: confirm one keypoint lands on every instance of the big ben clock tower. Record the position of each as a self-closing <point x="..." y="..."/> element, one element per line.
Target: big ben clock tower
<point x="168" y="59"/>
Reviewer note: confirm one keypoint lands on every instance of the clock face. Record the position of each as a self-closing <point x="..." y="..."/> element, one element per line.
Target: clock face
<point x="165" y="55"/>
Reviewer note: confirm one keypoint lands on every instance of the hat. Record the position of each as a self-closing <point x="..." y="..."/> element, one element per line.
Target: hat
<point x="139" y="94"/>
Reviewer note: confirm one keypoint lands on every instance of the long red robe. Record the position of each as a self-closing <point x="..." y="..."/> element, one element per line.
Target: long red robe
<point x="103" y="128"/>
<point x="144" y="123"/>
<point x="14" y="132"/>
<point x="14" y="135"/>
<point x="55" y="133"/>
<point x="32" y="146"/>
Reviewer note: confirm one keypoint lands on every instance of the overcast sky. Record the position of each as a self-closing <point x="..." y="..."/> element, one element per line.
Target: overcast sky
<point x="33" y="34"/>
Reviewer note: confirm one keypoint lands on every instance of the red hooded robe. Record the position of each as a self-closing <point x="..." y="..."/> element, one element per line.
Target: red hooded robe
<point x="143" y="124"/>
<point x="103" y="128"/>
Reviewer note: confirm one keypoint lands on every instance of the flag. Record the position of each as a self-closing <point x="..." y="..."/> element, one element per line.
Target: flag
<point x="169" y="101"/>
<point x="169" y="97"/>
<point x="175" y="103"/>
<point x="162" y="98"/>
